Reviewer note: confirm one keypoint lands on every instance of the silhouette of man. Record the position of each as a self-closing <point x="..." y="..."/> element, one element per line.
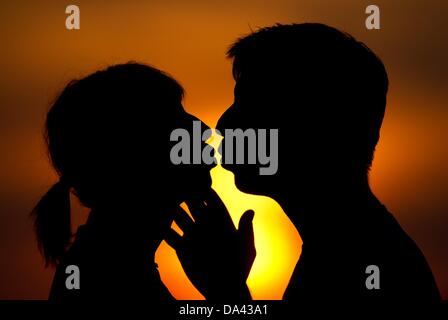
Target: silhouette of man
<point x="325" y="92"/>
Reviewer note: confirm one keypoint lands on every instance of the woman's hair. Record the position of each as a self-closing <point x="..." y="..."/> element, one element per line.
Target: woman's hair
<point x="92" y="118"/>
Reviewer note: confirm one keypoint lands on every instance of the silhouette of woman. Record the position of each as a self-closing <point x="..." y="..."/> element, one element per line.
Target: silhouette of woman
<point x="108" y="137"/>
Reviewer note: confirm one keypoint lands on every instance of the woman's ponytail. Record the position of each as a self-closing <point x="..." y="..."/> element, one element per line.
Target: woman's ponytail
<point x="52" y="222"/>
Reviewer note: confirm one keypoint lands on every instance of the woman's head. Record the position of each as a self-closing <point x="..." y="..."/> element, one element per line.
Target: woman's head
<point x="108" y="138"/>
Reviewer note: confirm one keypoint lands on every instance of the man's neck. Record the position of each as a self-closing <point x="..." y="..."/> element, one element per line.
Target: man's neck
<point x="324" y="206"/>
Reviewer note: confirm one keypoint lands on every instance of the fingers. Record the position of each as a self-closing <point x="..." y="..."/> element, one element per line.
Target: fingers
<point x="247" y="241"/>
<point x="183" y="220"/>
<point x="217" y="209"/>
<point x="212" y="199"/>
<point x="197" y="208"/>
<point x="209" y="211"/>
<point x="245" y="225"/>
<point x="173" y="239"/>
<point x="246" y="229"/>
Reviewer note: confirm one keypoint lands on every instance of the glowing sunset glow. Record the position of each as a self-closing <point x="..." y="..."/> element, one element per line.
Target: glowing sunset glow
<point x="188" y="39"/>
<point x="277" y="242"/>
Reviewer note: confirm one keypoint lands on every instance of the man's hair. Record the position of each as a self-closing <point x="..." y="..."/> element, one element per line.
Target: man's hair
<point x="325" y="65"/>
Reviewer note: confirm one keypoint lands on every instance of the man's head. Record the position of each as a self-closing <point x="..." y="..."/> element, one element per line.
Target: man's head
<point x="323" y="90"/>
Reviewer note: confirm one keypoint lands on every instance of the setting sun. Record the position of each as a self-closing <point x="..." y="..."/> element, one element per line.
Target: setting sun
<point x="277" y="242"/>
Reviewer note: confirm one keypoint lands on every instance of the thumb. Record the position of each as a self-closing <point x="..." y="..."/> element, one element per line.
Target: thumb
<point x="245" y="227"/>
<point x="247" y="242"/>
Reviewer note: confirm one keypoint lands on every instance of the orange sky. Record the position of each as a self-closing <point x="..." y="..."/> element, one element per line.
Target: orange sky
<point x="189" y="40"/>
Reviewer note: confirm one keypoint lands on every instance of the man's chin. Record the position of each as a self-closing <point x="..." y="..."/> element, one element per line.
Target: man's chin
<point x="207" y="181"/>
<point x="247" y="180"/>
<point x="248" y="185"/>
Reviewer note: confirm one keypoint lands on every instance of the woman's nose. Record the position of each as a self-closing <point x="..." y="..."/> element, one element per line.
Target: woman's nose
<point x="204" y="127"/>
<point x="226" y="120"/>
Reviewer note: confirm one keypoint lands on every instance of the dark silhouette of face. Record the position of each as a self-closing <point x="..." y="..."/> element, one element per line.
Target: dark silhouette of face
<point x="323" y="90"/>
<point x="109" y="138"/>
